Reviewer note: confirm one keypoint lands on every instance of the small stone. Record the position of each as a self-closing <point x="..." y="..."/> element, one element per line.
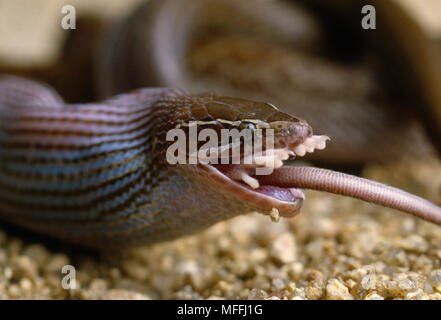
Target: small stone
<point x="398" y="258"/>
<point x="435" y="279"/>
<point x="435" y="296"/>
<point x="14" y="291"/>
<point x="98" y="284"/>
<point x="335" y="290"/>
<point x="3" y="257"/>
<point x="291" y="287"/>
<point x="350" y="284"/>
<point x="189" y="270"/>
<point x="37" y="253"/>
<point x="239" y="267"/>
<point x="274" y="215"/>
<point x="257" y="294"/>
<point x="26" y="285"/>
<point x="224" y="286"/>
<point x="294" y="270"/>
<point x="414" y="242"/>
<point x="258" y="255"/>
<point x="313" y="292"/>
<point x="278" y="283"/>
<point x="135" y="269"/>
<point x="187" y="293"/>
<point x="368" y="282"/>
<point x="119" y="294"/>
<point x="283" y="249"/>
<point x="325" y="227"/>
<point x="24" y="267"/>
<point x="8" y="273"/>
<point x="373" y="296"/>
<point x="56" y="263"/>
<point x="299" y="294"/>
<point x="417" y="295"/>
<point x="14" y="246"/>
<point x="215" y="298"/>
<point x="335" y="235"/>
<point x="408" y="226"/>
<point x="354" y="264"/>
<point x="2" y="237"/>
<point x="96" y="290"/>
<point x="315" y="275"/>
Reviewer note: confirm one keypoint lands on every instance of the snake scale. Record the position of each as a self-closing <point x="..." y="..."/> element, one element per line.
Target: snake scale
<point x="96" y="175"/>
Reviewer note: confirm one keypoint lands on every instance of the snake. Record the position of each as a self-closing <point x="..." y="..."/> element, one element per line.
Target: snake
<point x="96" y="174"/>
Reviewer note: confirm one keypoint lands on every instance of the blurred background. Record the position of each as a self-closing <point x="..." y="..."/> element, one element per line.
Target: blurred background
<point x="31" y="34"/>
<point x="313" y="59"/>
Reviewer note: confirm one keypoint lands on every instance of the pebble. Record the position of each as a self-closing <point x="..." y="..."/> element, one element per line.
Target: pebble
<point x="56" y="263"/>
<point x="283" y="249"/>
<point x="335" y="290"/>
<point x="374" y="296"/>
<point x="435" y="279"/>
<point x="24" y="267"/>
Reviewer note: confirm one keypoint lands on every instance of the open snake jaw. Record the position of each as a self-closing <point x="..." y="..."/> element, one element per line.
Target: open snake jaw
<point x="287" y="201"/>
<point x="273" y="159"/>
<point x="265" y="198"/>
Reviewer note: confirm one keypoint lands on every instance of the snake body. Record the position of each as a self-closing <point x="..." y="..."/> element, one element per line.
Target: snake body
<point x="97" y="175"/>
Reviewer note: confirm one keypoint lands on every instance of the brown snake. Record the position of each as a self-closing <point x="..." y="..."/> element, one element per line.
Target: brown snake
<point x="96" y="174"/>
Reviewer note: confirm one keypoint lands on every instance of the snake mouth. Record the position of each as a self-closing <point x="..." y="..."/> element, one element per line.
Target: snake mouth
<point x="244" y="180"/>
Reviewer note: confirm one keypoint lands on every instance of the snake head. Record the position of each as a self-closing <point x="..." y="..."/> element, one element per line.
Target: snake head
<point x="282" y="137"/>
